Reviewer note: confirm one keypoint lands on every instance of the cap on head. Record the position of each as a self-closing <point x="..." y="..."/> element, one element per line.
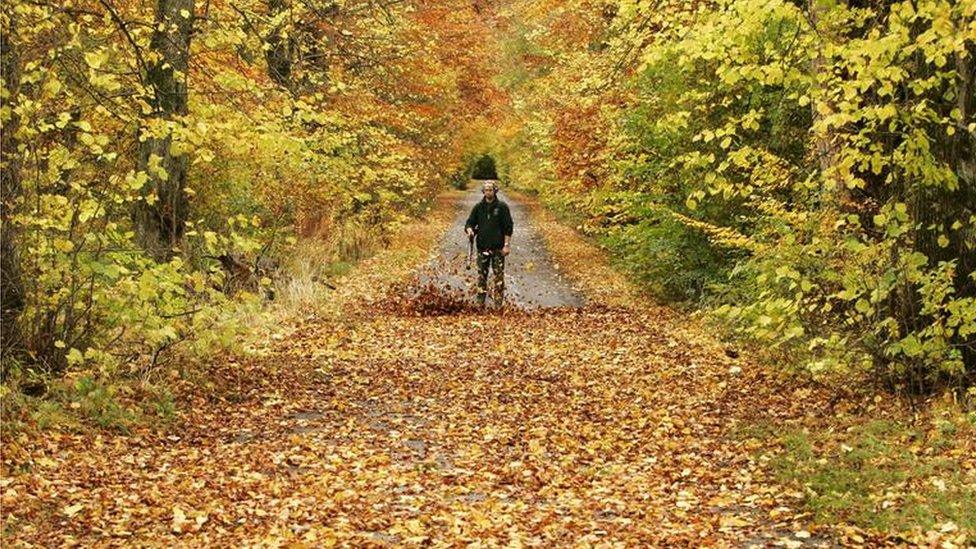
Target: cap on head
<point x="489" y="185"/>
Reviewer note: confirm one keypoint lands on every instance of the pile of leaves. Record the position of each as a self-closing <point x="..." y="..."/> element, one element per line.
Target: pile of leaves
<point x="439" y="288"/>
<point x="430" y="297"/>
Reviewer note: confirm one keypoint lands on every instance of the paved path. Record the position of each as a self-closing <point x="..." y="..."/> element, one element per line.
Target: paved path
<point x="532" y="280"/>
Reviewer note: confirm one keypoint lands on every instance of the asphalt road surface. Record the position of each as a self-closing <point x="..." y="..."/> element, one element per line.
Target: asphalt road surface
<point x="532" y="280"/>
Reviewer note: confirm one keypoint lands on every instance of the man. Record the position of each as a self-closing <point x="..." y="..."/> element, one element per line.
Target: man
<point x="491" y="220"/>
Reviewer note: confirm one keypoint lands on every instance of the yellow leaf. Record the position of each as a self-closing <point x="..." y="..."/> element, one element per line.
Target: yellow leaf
<point x="732" y="522"/>
<point x="415" y="527"/>
<point x="179" y="520"/>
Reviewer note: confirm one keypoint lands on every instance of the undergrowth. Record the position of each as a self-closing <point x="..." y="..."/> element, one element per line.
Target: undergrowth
<point x="145" y="393"/>
<point x="890" y="473"/>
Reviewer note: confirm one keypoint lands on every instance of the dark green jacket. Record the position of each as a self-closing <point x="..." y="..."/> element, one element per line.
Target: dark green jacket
<point x="492" y="222"/>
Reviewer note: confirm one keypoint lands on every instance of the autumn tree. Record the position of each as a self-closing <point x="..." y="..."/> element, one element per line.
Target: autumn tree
<point x="161" y="218"/>
<point x="151" y="150"/>
<point x="803" y="169"/>
<point x="12" y="293"/>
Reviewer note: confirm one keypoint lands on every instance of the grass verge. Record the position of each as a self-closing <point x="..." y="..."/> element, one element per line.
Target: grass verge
<point x="880" y="468"/>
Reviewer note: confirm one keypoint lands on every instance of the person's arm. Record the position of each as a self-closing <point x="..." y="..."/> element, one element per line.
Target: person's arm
<point x="472" y="221"/>
<point x="507" y="227"/>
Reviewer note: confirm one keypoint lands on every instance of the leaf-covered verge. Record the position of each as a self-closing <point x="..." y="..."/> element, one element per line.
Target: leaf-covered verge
<point x="801" y="170"/>
<point x="886" y="470"/>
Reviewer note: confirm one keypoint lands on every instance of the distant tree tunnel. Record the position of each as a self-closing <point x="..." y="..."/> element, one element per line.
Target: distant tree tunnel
<point x="484" y="168"/>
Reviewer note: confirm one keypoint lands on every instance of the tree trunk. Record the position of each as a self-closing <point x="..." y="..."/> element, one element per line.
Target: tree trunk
<point x="280" y="49"/>
<point x="824" y="147"/>
<point x="963" y="158"/>
<point x="161" y="219"/>
<point x="964" y="144"/>
<point x="11" y="282"/>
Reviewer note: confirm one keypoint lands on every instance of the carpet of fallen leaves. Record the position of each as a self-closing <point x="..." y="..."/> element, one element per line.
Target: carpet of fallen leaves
<point x="377" y="425"/>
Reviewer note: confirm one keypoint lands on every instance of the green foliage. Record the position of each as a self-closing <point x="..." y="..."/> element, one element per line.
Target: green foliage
<point x="881" y="475"/>
<point x="73" y="403"/>
<point x="484" y="168"/>
<point x="163" y="404"/>
<point x="802" y="170"/>
<point x="670" y="261"/>
<point x="99" y="402"/>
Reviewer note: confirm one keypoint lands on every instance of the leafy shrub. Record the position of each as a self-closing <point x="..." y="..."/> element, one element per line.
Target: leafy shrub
<point x="803" y="170"/>
<point x="674" y="263"/>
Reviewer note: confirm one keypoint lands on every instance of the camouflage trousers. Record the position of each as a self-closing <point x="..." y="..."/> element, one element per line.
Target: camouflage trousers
<point x="496" y="261"/>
